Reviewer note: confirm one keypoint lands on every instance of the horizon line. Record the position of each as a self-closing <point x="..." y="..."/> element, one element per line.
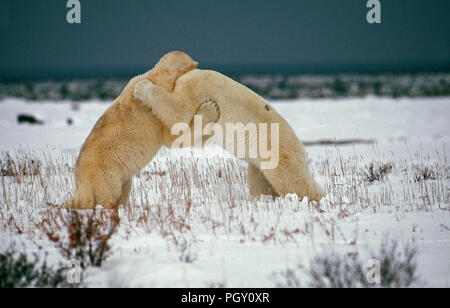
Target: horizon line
<point x="231" y="69"/>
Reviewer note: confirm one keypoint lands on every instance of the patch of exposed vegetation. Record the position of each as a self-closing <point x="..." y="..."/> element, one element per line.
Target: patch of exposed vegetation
<point x="397" y="269"/>
<point x="17" y="270"/>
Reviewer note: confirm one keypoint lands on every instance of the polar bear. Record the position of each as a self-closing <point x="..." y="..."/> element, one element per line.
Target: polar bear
<point x="126" y="137"/>
<point x="237" y="103"/>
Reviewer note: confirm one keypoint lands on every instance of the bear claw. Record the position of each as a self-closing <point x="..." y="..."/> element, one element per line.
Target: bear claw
<point x="209" y="110"/>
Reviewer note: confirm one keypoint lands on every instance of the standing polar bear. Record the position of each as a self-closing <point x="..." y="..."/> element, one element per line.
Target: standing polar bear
<point x="126" y="137"/>
<point x="237" y="103"/>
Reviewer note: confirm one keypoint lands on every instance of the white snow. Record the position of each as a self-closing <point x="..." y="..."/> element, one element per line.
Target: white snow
<point x="227" y="238"/>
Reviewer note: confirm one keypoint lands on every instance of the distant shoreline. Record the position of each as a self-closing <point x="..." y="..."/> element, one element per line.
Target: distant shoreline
<point x="270" y="86"/>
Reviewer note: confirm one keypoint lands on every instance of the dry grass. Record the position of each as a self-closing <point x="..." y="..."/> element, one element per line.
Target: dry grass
<point x="397" y="269"/>
<point x="83" y="236"/>
<point x="180" y="198"/>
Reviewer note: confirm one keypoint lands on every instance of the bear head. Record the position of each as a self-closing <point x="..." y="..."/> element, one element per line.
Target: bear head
<point x="171" y="66"/>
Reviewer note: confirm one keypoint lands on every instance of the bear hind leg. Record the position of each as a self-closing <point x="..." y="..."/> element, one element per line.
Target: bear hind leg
<point x="126" y="188"/>
<point x="294" y="178"/>
<point x="258" y="183"/>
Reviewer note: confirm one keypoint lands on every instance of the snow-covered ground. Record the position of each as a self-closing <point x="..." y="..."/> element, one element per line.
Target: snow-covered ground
<point x="192" y="222"/>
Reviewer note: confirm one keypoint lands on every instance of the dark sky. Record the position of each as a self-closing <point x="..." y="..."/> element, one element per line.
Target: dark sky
<point x="123" y="37"/>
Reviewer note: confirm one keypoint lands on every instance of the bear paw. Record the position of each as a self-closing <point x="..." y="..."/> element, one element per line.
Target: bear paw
<point x="209" y="110"/>
<point x="142" y="89"/>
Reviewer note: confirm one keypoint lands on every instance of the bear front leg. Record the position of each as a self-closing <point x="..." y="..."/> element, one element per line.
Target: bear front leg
<point x="209" y="113"/>
<point x="165" y="106"/>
